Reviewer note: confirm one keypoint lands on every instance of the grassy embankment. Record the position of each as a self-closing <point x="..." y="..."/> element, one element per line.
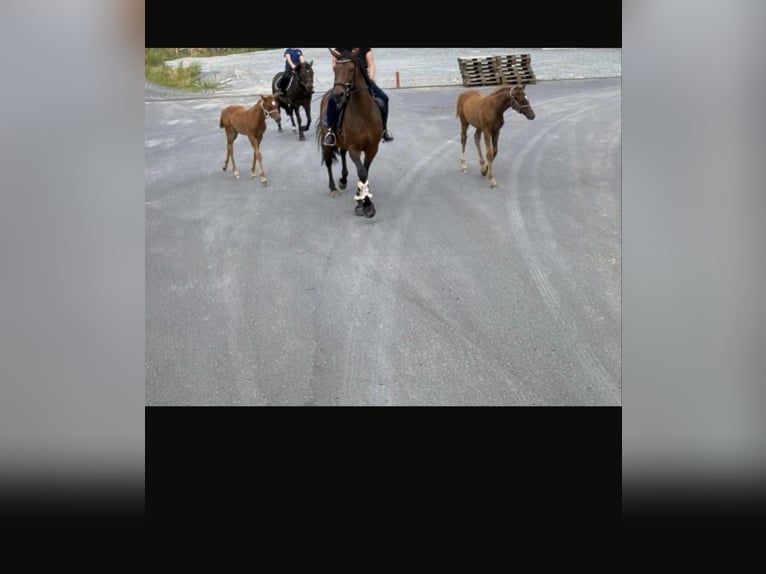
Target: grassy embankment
<point x="182" y="78"/>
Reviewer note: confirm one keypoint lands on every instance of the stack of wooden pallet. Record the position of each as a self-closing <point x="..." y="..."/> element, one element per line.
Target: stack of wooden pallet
<point x="497" y="70"/>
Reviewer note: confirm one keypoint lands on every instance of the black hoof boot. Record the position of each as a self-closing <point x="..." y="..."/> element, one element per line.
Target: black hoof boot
<point x="368" y="208"/>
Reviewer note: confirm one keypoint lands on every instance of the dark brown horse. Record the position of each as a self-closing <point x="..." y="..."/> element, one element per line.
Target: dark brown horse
<point x="298" y="95"/>
<point x="485" y="113"/>
<point x="252" y="123"/>
<point x="359" y="128"/>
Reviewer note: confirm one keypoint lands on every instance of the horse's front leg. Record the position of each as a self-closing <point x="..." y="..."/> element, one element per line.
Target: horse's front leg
<point x="292" y="111"/>
<point x="364" y="205"/>
<point x="301" y="137"/>
<point x="477" y="140"/>
<point x="257" y="158"/>
<point x="491" y="153"/>
<point x="230" y="153"/>
<point x="307" y="109"/>
<point x="343" y="169"/>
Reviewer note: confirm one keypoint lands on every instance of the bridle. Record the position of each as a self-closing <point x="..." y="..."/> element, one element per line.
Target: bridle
<point x="519" y="107"/>
<point x="299" y="77"/>
<point x="269" y="112"/>
<point x="348" y="87"/>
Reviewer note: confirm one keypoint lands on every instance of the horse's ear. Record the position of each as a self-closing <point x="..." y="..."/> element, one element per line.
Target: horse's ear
<point x="335" y="53"/>
<point x="311" y="63"/>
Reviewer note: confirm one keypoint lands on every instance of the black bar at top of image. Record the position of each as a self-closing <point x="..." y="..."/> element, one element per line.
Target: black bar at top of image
<point x="171" y="23"/>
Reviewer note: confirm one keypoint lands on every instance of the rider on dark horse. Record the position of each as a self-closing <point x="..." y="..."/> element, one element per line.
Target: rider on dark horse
<point x="293" y="57"/>
<point x="367" y="64"/>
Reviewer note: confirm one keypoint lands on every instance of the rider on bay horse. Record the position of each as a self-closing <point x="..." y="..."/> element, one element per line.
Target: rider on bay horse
<point x="367" y="64"/>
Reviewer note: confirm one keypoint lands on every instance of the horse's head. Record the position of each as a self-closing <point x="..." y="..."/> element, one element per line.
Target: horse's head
<point x="270" y="105"/>
<point x="520" y="102"/>
<point x="345" y="72"/>
<point x="305" y="73"/>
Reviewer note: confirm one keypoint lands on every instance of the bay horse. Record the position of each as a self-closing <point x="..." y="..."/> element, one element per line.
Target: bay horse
<point x="359" y="128"/>
<point x="298" y="95"/>
<point x="252" y="123"/>
<point x="485" y="113"/>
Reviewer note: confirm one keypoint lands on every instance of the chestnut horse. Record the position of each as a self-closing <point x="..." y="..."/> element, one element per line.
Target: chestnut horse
<point x="252" y="123"/>
<point x="359" y="128"/>
<point x="297" y="95"/>
<point x="485" y="113"/>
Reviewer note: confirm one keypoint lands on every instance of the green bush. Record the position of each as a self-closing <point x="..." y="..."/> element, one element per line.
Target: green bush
<point x="183" y="78"/>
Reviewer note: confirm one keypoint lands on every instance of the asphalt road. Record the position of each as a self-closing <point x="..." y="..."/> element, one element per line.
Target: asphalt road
<point x="453" y="294"/>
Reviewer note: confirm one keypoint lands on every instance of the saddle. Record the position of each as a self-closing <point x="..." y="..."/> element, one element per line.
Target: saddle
<point x="342" y="109"/>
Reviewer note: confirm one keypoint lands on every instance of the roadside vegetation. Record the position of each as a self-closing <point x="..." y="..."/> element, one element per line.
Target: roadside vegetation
<point x="187" y="78"/>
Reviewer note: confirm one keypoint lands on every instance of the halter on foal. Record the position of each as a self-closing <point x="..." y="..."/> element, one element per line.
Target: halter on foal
<point x="297" y="95"/>
<point x="485" y="113"/>
<point x="252" y="123"/>
<point x="360" y="126"/>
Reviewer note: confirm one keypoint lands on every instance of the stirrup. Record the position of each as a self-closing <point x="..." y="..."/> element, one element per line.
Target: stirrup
<point x="329" y="139"/>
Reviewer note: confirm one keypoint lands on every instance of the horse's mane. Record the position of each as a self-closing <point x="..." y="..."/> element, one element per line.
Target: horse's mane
<point x="503" y="88"/>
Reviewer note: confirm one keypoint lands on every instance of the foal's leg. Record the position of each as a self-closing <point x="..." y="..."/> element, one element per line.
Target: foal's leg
<point x="491" y="153"/>
<point x="463" y="139"/>
<point x="257" y="157"/>
<point x="231" y="135"/>
<point x="477" y="140"/>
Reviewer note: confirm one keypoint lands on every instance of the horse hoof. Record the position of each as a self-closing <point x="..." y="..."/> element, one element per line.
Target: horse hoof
<point x="369" y="211"/>
<point x="264" y="182"/>
<point x="236" y="175"/>
<point x="334" y="193"/>
<point x="359" y="210"/>
<point x="342" y="185"/>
